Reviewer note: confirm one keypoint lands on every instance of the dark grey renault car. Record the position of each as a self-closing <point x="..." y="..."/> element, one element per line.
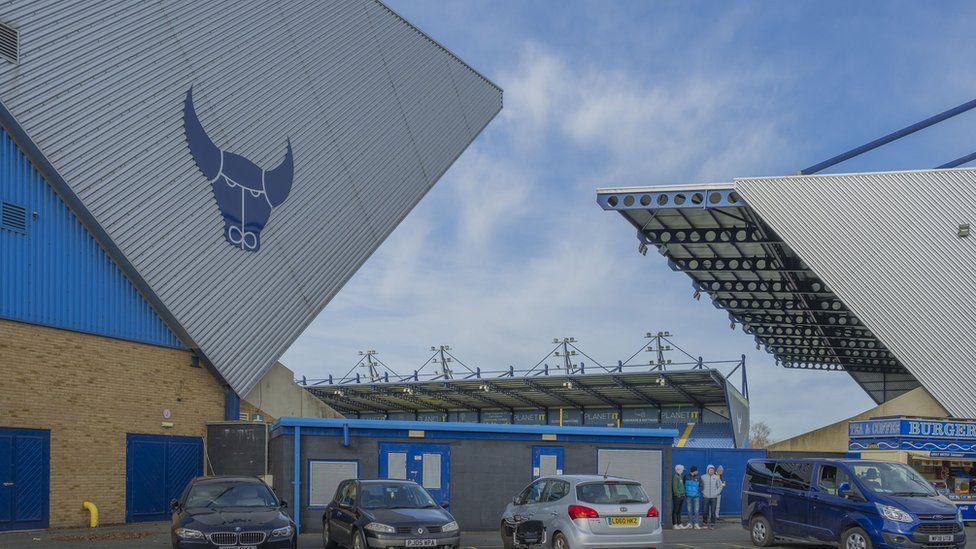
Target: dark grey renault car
<point x="387" y="513"/>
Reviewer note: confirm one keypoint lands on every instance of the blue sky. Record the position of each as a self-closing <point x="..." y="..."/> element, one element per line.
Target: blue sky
<point x="510" y="249"/>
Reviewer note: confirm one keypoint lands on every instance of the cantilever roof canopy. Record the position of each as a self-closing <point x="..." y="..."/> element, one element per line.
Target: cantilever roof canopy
<point x="695" y="387"/>
<point x="734" y="257"/>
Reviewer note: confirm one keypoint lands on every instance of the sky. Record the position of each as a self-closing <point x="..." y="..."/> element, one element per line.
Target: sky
<point x="510" y="250"/>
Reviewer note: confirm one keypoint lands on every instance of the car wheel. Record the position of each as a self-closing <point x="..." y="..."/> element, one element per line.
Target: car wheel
<point x="327" y="541"/>
<point x="506" y="534"/>
<point x="559" y="541"/>
<point x="761" y="531"/>
<point x="855" y="538"/>
<point x="358" y="541"/>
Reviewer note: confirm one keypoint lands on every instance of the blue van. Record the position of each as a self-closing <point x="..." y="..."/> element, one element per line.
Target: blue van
<point x="854" y="504"/>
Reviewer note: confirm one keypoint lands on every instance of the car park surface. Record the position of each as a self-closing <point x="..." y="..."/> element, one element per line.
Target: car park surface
<point x="728" y="535"/>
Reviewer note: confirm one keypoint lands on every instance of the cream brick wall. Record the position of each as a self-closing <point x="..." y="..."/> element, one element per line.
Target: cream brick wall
<point x="89" y="391"/>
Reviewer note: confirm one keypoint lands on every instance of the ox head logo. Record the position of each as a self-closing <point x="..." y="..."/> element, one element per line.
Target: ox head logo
<point x="245" y="192"/>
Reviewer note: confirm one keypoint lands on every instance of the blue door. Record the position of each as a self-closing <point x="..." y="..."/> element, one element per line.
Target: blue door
<point x="25" y="457"/>
<point x="429" y="465"/>
<point x="547" y="461"/>
<point x="157" y="469"/>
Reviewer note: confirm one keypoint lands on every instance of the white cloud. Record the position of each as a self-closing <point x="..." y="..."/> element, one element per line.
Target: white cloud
<point x="510" y="249"/>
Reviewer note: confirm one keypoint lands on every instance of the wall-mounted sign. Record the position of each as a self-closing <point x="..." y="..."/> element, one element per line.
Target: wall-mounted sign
<point x="530" y="417"/>
<point x="245" y="192"/>
<point x="167" y="414"/>
<point x="912" y="427"/>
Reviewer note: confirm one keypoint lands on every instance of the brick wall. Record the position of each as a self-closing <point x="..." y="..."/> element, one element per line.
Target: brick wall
<point x="89" y="391"/>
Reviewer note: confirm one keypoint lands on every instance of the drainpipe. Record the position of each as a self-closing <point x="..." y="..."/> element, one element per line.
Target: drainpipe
<point x="92" y="512"/>
<point x="297" y="481"/>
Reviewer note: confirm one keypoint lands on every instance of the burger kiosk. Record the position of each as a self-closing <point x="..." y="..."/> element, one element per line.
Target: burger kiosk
<point x="943" y="451"/>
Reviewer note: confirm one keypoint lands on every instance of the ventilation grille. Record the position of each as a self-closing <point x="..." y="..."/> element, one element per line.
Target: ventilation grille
<point x="9" y="43"/>
<point x="13" y="217"/>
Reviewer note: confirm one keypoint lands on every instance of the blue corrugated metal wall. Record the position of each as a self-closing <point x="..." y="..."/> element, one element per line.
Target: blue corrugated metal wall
<point x="54" y="273"/>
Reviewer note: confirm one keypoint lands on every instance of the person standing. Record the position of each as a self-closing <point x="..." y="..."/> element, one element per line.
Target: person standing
<point x="720" y="471"/>
<point x="711" y="491"/>
<point x="693" y="497"/>
<point x="677" y="496"/>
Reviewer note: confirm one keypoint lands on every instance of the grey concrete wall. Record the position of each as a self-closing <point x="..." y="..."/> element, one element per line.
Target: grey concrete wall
<point x="277" y="394"/>
<point x="485" y="474"/>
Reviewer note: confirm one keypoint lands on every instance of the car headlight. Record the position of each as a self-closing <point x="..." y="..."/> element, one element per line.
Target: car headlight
<point x="283" y="532"/>
<point x="450" y="526"/>
<point x="187" y="533"/>
<point x="380" y="528"/>
<point x="893" y="513"/>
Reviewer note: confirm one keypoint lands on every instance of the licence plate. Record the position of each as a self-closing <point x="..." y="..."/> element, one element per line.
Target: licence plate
<point x="942" y="537"/>
<point x="421" y="543"/>
<point x="624" y="521"/>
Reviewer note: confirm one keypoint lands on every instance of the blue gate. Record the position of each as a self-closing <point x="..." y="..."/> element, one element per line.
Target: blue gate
<point x="731" y="459"/>
<point x="25" y="459"/>
<point x="429" y="465"/>
<point x="157" y="469"/>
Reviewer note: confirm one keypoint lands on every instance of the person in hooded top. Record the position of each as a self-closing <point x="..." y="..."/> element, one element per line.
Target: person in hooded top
<point x="711" y="492"/>
<point x="677" y="496"/>
<point x="693" y="497"/>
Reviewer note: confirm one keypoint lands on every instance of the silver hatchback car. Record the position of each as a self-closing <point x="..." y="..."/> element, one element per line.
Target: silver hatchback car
<point x="587" y="511"/>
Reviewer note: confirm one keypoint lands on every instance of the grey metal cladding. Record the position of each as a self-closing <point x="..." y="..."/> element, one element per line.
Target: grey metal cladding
<point x="375" y="111"/>
<point x="882" y="387"/>
<point x="887" y="245"/>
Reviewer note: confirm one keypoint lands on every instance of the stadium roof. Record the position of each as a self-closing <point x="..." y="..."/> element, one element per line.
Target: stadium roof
<point x="360" y="112"/>
<point x="865" y="273"/>
<point x="696" y="387"/>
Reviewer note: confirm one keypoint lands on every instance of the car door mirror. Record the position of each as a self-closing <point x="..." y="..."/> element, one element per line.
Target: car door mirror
<point x="516" y="501"/>
<point x="283" y="504"/>
<point x="174" y="505"/>
<point x="847" y="492"/>
<point x="445" y="505"/>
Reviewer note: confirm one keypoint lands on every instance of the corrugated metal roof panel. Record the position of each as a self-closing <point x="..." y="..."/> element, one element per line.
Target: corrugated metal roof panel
<point x="375" y="112"/>
<point x="887" y="244"/>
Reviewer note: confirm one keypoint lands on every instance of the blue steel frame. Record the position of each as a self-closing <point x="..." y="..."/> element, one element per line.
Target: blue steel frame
<point x="232" y="405"/>
<point x="308" y="475"/>
<point x="339" y="427"/>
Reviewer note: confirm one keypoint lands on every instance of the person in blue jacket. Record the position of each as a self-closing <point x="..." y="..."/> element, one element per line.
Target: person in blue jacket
<point x="693" y="497"/>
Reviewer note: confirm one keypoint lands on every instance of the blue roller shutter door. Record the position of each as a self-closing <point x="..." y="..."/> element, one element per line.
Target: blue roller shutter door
<point x="158" y="468"/>
<point x="25" y="470"/>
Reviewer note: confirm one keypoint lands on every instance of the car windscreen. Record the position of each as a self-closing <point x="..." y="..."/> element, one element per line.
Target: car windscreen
<point x="230" y="494"/>
<point x="891" y="478"/>
<point x="394" y="496"/>
<point x="611" y="492"/>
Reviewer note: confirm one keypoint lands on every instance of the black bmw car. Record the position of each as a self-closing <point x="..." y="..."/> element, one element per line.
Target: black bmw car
<point x="387" y="513"/>
<point x="238" y="512"/>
